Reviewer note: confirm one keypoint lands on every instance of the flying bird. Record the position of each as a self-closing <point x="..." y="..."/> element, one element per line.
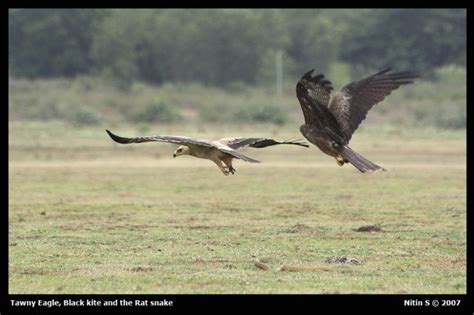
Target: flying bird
<point x="330" y="124"/>
<point x="220" y="151"/>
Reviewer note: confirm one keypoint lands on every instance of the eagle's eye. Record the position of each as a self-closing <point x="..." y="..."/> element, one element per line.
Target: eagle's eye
<point x="180" y="150"/>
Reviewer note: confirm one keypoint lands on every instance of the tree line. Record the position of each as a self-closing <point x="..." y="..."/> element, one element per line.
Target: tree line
<point x="219" y="47"/>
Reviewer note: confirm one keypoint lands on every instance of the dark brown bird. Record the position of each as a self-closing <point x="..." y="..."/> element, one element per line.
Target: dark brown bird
<point x="330" y="124"/>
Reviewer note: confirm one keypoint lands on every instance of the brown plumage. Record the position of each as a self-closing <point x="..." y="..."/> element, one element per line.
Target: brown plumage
<point x="330" y="124"/>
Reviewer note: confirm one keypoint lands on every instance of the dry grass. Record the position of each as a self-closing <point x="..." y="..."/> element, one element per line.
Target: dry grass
<point x="89" y="216"/>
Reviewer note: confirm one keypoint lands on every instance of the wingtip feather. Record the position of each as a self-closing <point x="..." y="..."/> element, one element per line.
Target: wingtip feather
<point x="308" y="74"/>
<point x="384" y="71"/>
<point x="115" y="137"/>
<point x="110" y="133"/>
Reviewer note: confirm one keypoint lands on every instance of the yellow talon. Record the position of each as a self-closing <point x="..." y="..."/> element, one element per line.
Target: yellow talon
<point x="339" y="161"/>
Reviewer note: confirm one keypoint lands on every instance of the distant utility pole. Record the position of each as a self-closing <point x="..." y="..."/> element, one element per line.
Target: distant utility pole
<point x="279" y="72"/>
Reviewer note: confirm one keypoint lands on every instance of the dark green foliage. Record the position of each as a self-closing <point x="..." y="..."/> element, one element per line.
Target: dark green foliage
<point x="219" y="46"/>
<point x="51" y="42"/>
<point x="419" y="39"/>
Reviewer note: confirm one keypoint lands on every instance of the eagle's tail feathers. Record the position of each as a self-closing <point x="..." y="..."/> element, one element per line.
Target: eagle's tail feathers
<point x="360" y="162"/>
<point x="238" y="155"/>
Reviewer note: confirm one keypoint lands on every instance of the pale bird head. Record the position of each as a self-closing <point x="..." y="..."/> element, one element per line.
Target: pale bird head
<point x="181" y="150"/>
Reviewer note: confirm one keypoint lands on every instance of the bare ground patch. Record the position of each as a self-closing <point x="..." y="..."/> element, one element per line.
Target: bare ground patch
<point x="369" y="228"/>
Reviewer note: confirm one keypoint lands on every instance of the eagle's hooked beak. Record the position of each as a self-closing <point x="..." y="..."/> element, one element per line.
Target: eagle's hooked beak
<point x="174" y="155"/>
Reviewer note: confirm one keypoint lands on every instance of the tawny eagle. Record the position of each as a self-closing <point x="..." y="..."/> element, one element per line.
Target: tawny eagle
<point x="221" y="151"/>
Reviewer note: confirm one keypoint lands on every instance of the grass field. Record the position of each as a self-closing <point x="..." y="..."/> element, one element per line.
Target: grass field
<point x="90" y="216"/>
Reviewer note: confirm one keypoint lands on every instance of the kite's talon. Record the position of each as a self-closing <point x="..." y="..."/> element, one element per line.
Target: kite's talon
<point x="339" y="162"/>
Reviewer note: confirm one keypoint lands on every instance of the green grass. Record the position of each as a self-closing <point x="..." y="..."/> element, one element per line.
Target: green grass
<point x="90" y="101"/>
<point x="90" y="216"/>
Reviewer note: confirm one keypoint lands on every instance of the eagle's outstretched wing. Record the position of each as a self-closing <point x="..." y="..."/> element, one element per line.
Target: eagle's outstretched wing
<point x="172" y="139"/>
<point x="236" y="143"/>
<point x="190" y="142"/>
<point x="351" y="104"/>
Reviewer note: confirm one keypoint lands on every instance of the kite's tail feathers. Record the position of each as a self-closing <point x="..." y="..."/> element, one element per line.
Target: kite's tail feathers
<point x="360" y="162"/>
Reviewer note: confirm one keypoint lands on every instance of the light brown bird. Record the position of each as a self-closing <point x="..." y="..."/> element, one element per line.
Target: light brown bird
<point x="220" y="151"/>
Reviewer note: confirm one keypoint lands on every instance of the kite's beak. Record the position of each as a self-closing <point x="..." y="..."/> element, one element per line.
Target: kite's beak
<point x="174" y="155"/>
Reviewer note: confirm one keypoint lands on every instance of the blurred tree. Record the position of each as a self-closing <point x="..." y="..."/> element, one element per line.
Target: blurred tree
<point x="214" y="47"/>
<point x="219" y="46"/>
<point x="315" y="38"/>
<point x="51" y="42"/>
<point x="419" y="39"/>
<point x="116" y="45"/>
